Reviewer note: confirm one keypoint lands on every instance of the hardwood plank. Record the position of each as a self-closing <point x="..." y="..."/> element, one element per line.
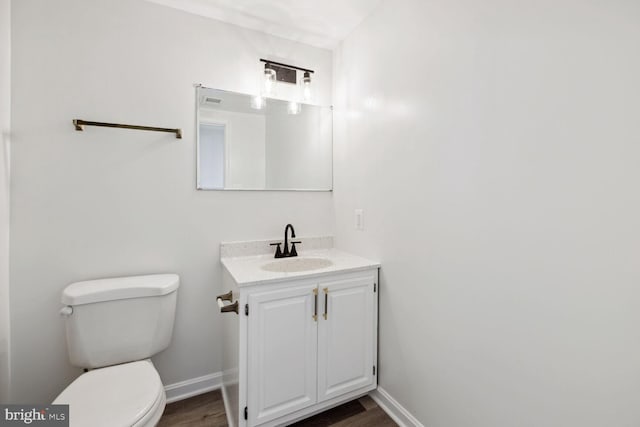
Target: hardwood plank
<point x="333" y="415"/>
<point x="373" y="417"/>
<point x="207" y="410"/>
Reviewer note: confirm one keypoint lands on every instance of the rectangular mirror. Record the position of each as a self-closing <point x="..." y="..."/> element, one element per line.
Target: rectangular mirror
<point x="245" y="144"/>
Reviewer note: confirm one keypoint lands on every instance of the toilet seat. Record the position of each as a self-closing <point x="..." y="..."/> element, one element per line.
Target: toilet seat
<point x="127" y="395"/>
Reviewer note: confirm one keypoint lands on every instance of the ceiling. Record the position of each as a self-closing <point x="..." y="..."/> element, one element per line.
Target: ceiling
<point x="321" y="23"/>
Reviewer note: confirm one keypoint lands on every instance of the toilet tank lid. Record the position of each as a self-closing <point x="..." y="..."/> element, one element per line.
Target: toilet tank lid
<point x="92" y="291"/>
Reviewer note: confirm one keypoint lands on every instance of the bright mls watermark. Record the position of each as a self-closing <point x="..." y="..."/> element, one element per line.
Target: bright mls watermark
<point x="34" y="415"/>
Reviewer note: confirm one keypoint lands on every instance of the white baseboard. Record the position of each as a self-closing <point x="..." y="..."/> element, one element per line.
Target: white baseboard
<point x="395" y="410"/>
<point x="193" y="387"/>
<point x="227" y="409"/>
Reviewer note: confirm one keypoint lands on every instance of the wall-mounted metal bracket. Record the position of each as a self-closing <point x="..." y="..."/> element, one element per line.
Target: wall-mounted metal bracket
<point x="226" y="297"/>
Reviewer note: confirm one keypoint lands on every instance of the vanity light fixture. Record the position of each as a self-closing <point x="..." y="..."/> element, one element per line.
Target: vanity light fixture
<point x="269" y="80"/>
<point x="306" y="86"/>
<point x="285" y="73"/>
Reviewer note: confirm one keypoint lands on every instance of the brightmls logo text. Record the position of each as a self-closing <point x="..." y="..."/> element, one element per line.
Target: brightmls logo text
<point x="27" y="417"/>
<point x="36" y="415"/>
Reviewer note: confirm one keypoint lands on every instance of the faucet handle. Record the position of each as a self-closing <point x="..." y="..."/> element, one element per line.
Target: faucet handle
<point x="278" y="251"/>
<point x="293" y="248"/>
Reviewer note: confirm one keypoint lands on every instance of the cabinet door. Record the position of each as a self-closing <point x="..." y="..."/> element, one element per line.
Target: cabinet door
<point x="346" y="330"/>
<point x="282" y="348"/>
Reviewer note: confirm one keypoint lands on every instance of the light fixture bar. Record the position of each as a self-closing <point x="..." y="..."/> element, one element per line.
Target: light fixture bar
<point x="280" y="64"/>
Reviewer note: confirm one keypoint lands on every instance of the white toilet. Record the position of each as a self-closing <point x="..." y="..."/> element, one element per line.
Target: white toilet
<point x="113" y="326"/>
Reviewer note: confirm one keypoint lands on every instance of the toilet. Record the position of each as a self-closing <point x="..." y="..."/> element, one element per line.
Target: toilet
<point x="113" y="327"/>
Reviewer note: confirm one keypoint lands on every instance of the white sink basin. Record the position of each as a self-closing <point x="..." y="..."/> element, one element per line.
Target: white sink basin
<point x="291" y="265"/>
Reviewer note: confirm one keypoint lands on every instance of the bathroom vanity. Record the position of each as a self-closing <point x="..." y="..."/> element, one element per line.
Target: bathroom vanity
<point x="299" y="334"/>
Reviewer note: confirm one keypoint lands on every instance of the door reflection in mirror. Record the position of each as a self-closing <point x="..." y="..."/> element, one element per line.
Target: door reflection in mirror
<point x="212" y="155"/>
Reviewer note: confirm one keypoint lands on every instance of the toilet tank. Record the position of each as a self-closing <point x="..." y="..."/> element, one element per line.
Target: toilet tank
<point x="119" y="320"/>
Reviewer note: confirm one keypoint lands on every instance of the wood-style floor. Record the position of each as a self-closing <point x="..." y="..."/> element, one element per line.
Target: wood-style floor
<point x="207" y="410"/>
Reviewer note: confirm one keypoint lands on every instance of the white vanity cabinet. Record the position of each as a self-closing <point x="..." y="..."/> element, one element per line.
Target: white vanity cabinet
<point x="299" y="346"/>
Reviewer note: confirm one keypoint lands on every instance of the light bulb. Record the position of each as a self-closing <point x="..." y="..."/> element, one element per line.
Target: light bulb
<point x="269" y="81"/>
<point x="306" y="86"/>
<point x="293" y="107"/>
<point x="257" y="102"/>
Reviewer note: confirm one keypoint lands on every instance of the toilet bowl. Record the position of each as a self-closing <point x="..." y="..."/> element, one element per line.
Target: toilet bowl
<point x="124" y="395"/>
<point x="113" y="326"/>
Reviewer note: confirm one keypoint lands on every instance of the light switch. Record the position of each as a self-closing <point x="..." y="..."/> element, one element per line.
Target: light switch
<point x="359" y="219"/>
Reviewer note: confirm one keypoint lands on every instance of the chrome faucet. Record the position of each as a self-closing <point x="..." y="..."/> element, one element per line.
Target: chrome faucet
<point x="286" y="252"/>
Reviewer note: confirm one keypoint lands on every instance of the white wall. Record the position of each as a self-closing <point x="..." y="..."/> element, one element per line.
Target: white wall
<point x="107" y="202"/>
<point x="495" y="148"/>
<point x="5" y="124"/>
